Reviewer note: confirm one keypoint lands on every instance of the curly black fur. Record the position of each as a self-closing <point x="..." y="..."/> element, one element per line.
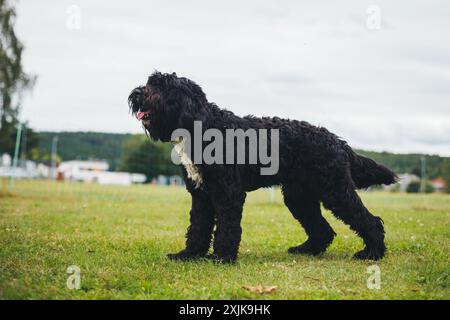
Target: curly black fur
<point x="315" y="167"/>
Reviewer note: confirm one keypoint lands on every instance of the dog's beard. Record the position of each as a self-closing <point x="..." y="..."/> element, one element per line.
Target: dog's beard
<point x="151" y="130"/>
<point x="145" y="130"/>
<point x="146" y="127"/>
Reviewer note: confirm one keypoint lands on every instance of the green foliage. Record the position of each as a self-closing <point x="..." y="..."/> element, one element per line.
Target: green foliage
<point x="445" y="169"/>
<point x="415" y="186"/>
<point x="144" y="156"/>
<point x="429" y="188"/>
<point x="13" y="79"/>
<point x="38" y="155"/>
<point x="8" y="134"/>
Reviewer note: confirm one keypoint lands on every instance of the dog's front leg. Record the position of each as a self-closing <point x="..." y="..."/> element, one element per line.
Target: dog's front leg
<point x="198" y="237"/>
<point x="228" y="205"/>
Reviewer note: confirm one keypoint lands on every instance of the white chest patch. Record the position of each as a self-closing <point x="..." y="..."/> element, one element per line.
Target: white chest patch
<point x="191" y="169"/>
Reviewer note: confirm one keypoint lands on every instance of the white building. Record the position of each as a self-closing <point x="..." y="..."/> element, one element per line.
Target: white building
<point x="96" y="172"/>
<point x="123" y="178"/>
<point x="24" y="170"/>
<point x="77" y="170"/>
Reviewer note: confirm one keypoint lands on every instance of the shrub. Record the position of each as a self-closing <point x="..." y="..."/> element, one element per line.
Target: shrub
<point x="414" y="187"/>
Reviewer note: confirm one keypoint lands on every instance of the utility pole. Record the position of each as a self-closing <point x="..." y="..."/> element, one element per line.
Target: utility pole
<point x="53" y="163"/>
<point x="423" y="173"/>
<point x="23" y="145"/>
<point x="16" y="155"/>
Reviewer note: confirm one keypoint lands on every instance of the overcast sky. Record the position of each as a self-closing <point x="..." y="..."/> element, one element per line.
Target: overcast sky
<point x="323" y="62"/>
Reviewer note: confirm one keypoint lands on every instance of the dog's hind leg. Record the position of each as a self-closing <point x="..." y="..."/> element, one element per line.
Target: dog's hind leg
<point x="306" y="209"/>
<point x="199" y="234"/>
<point x="346" y="205"/>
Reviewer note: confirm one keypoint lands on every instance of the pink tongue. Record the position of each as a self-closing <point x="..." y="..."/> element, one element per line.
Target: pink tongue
<point x="140" y="115"/>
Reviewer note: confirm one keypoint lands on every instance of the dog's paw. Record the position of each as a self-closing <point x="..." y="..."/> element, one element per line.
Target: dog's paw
<point x="183" y="255"/>
<point x="368" y="254"/>
<point x="306" y="248"/>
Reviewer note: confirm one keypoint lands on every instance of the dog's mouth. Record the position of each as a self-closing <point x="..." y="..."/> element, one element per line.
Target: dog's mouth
<point x="143" y="115"/>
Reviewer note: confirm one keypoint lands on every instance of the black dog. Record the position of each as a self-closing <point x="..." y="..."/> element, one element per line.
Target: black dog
<point x="315" y="167"/>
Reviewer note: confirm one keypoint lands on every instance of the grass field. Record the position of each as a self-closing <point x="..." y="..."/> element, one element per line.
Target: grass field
<point x="119" y="236"/>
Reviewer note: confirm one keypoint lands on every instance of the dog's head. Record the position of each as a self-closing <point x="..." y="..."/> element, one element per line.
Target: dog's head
<point x="165" y="103"/>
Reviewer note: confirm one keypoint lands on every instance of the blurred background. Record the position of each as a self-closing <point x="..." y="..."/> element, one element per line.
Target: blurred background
<point x="376" y="73"/>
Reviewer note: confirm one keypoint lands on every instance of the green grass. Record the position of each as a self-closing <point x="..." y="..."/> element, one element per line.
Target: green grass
<point x="119" y="237"/>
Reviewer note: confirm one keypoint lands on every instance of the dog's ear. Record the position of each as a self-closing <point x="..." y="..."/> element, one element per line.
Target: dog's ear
<point x="174" y="74"/>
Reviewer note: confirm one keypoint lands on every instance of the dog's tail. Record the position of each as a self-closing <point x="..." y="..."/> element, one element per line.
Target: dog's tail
<point x="366" y="172"/>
